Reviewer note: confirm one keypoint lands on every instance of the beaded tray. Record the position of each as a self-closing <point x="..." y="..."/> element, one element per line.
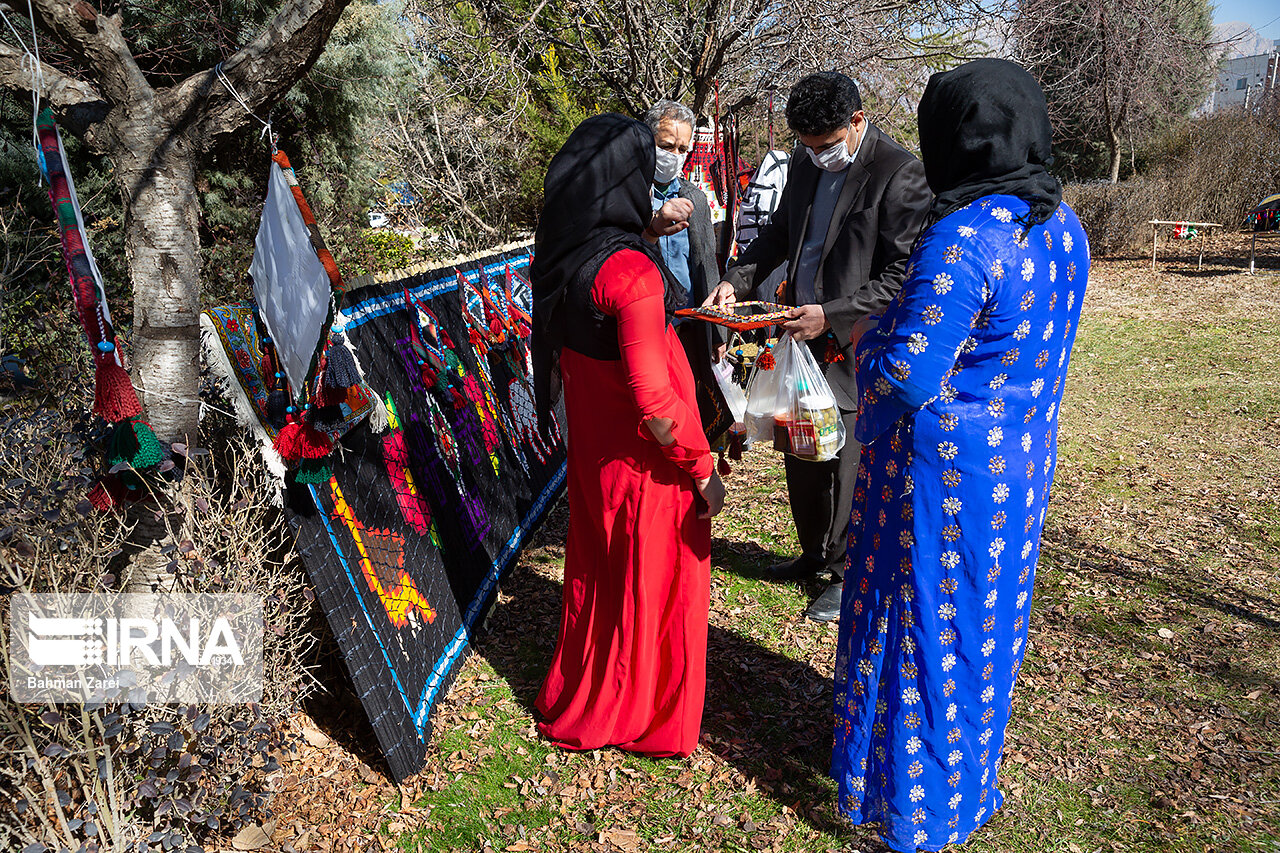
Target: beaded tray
<point x="739" y="316"/>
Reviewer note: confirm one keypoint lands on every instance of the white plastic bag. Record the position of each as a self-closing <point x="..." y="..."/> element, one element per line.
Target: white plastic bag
<point x="792" y="405"/>
<point x="734" y="396"/>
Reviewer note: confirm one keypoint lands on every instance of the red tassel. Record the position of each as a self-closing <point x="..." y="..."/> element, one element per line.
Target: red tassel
<point x="302" y="441"/>
<point x="114" y="398"/>
<point x="459" y="401"/>
<point x="497" y="330"/>
<point x="723" y="467"/>
<point x="475" y="337"/>
<point x="107" y="494"/>
<point x="766" y="360"/>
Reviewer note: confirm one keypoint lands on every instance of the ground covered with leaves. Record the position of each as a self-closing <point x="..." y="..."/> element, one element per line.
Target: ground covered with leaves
<point x="1147" y="717"/>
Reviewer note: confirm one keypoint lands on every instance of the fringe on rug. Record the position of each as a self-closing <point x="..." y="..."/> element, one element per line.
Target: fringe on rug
<point x="225" y="378"/>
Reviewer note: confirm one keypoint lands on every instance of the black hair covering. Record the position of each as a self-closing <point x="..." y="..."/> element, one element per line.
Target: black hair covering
<point x="984" y="129"/>
<point x="596" y="201"/>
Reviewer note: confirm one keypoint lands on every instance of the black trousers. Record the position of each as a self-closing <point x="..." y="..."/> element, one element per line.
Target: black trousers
<point x="821" y="495"/>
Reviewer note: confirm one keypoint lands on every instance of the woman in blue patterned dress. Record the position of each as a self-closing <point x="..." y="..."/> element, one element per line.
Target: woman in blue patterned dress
<point x="960" y="382"/>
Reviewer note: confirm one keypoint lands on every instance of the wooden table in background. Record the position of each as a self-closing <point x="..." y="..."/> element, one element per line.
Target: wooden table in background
<point x="1155" y="230"/>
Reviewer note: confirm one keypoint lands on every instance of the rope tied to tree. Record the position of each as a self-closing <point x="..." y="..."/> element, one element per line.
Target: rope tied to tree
<point x="267" y="133"/>
<point x="31" y="62"/>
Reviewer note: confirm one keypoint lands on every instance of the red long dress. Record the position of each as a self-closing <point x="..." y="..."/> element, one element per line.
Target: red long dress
<point x="630" y="666"/>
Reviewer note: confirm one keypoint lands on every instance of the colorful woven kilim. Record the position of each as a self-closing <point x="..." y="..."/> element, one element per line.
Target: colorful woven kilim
<point x="742" y="317"/>
<point x="240" y="335"/>
<point x="408" y="539"/>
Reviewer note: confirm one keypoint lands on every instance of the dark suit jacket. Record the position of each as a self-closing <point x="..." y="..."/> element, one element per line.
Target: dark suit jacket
<point x="877" y="217"/>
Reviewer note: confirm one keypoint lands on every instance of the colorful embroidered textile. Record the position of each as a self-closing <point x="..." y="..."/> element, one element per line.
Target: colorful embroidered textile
<point x="114" y="397"/>
<point x="240" y="358"/>
<point x="742" y="317"/>
<point x="408" y="539"/>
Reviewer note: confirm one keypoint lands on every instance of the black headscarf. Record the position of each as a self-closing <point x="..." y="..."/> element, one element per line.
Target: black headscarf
<point x="984" y="129"/>
<point x="596" y="201"/>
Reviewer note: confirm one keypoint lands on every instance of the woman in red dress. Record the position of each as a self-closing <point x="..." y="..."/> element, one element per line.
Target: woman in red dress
<point x="629" y="669"/>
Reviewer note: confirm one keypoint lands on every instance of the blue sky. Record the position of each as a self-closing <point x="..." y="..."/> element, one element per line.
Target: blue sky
<point x="1262" y="15"/>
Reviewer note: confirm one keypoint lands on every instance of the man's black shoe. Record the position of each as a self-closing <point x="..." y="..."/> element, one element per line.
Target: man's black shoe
<point x="826" y="607"/>
<point x="800" y="568"/>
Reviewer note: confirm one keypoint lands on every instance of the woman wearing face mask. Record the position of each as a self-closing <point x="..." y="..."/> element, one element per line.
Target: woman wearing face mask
<point x="853" y="203"/>
<point x="629" y="669"/>
<point x="690" y="253"/>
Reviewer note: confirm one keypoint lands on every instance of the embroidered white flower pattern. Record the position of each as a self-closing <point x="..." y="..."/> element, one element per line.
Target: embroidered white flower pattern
<point x="1028" y="269"/>
<point x="1003" y="214"/>
<point x="942" y="283"/>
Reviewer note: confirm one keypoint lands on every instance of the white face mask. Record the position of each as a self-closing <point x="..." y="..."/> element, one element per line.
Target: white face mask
<point x="833" y="159"/>
<point x="669" y="165"/>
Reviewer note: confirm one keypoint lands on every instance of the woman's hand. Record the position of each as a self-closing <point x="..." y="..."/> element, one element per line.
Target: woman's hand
<point x="712" y="492"/>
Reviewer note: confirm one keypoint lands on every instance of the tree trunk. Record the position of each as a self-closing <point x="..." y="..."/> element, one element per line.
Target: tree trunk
<point x="155" y="171"/>
<point x="1114" y="148"/>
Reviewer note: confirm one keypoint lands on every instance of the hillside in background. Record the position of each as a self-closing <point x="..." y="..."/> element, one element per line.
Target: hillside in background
<point x="1245" y="40"/>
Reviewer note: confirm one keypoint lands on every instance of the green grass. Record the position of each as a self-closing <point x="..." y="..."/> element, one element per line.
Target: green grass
<point x="1147" y="716"/>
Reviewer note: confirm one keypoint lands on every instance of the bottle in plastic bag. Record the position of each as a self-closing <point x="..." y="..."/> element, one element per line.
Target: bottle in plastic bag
<point x="793" y="407"/>
<point x="766" y="394"/>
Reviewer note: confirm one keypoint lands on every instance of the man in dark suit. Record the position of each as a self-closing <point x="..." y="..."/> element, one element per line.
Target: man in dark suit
<point x="690" y="253"/>
<point x="853" y="205"/>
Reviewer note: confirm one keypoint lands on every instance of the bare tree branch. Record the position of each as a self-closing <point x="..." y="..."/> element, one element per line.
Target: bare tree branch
<point x="97" y="42"/>
<point x="263" y="70"/>
<point x="61" y="90"/>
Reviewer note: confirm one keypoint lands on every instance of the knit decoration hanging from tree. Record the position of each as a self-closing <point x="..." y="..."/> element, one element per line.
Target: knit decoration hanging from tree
<point x="115" y="400"/>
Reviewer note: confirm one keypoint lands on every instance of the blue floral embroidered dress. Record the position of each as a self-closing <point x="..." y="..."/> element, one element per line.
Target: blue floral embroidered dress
<point x="960" y="385"/>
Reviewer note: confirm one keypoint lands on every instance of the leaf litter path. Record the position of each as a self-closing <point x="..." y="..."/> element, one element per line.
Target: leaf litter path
<point x="1147" y="717"/>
